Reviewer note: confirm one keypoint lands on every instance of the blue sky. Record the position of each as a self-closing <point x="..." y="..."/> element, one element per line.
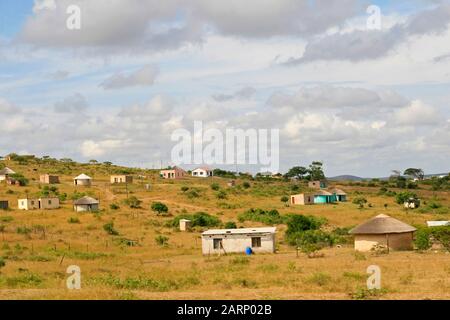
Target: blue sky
<point x="362" y="101"/>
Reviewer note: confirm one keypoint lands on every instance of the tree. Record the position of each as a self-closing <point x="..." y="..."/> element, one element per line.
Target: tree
<point x="415" y="173"/>
<point x="402" y="197"/>
<point x="159" y="208"/>
<point x="133" y="202"/>
<point x="109" y="228"/>
<point x="316" y="171"/>
<point x="360" y="201"/>
<point x="93" y="161"/>
<point x="297" y="172"/>
<point x="284" y="199"/>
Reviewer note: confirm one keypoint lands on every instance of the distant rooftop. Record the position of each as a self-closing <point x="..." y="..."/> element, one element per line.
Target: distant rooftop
<point x="240" y="231"/>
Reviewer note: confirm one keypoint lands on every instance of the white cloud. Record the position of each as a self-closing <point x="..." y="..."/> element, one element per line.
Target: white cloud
<point x="145" y="76"/>
<point x="417" y="113"/>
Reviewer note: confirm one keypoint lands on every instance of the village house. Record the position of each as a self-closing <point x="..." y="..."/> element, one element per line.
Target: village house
<point x="202" y="172"/>
<point x="5" y="173"/>
<point x="38" y="204"/>
<point x="260" y="240"/>
<point x="173" y="173"/>
<point x="82" y="180"/>
<point x="302" y="199"/>
<point x="86" y="204"/>
<point x="319" y="184"/>
<point x="121" y="179"/>
<point x="383" y="231"/>
<point x="48" y="179"/>
<point x="4" y="205"/>
<point x="340" y="195"/>
<point x="322" y="197"/>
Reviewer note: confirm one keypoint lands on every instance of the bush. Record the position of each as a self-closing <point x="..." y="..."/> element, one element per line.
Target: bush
<point x="215" y="186"/>
<point x="114" y="206"/>
<point x="184" y="188"/>
<point x="20" y="178"/>
<point x="360" y="201"/>
<point x="284" y="199"/>
<point x="193" y="194"/>
<point x="422" y="240"/>
<point x="439" y="234"/>
<point x="199" y="219"/>
<point x="221" y="195"/>
<point x="2" y="262"/>
<point x="133" y="202"/>
<point x="268" y="217"/>
<point x="159" y="208"/>
<point x="73" y="220"/>
<point x="246" y="185"/>
<point x="109" y="228"/>
<point x="162" y="240"/>
<point x="299" y="223"/>
<point x="23" y="230"/>
<point x="230" y="225"/>
<point x="402" y="197"/>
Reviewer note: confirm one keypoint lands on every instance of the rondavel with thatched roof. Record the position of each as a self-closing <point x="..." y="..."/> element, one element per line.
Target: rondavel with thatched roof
<point x="384" y="231"/>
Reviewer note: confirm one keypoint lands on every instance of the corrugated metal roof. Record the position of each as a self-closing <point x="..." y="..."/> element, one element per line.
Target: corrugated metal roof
<point x="240" y="231"/>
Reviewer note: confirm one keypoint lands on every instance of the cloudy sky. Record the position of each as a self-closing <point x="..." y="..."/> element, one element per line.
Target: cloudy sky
<point x="362" y="100"/>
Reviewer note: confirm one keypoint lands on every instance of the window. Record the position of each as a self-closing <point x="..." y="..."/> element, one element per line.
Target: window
<point x="217" y="243"/>
<point x="256" y="242"/>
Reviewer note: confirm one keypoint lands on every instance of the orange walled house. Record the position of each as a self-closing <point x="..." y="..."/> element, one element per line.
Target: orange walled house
<point x="174" y="173"/>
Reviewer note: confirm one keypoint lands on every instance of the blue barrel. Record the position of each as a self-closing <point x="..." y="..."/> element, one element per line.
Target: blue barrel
<point x="248" y="251"/>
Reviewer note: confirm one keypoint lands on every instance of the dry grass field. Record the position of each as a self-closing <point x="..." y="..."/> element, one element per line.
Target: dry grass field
<point x="38" y="246"/>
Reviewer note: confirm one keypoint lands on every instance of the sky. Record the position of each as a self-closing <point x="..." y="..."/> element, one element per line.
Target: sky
<point x="364" y="101"/>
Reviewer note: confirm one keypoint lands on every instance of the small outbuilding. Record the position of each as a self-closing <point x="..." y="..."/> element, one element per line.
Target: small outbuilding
<point x="185" y="225"/>
<point x="302" y="199"/>
<point x="38" y="204"/>
<point x="260" y="240"/>
<point x="82" y="180"/>
<point x="319" y="184"/>
<point x="438" y="223"/>
<point x="383" y="231"/>
<point x="115" y="179"/>
<point x="86" y="204"/>
<point x="202" y="172"/>
<point x="48" y="179"/>
<point x="4" y="205"/>
<point x="5" y="173"/>
<point x="173" y="173"/>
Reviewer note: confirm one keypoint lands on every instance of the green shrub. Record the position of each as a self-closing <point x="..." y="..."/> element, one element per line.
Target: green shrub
<point x="221" y="195"/>
<point x="114" y="206"/>
<point x="162" y="240"/>
<point x="191" y="194"/>
<point x="73" y="220"/>
<point x="299" y="223"/>
<point x="23" y="230"/>
<point x="133" y="202"/>
<point x="2" y="262"/>
<point x="184" y="188"/>
<point x="109" y="228"/>
<point x="246" y="185"/>
<point x="199" y="219"/>
<point x="402" y="197"/>
<point x="360" y="201"/>
<point x="268" y="217"/>
<point x="215" y="186"/>
<point x="159" y="208"/>
<point x="230" y="225"/>
<point x="284" y="199"/>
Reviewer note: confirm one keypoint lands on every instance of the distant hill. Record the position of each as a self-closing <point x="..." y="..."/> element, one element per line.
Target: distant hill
<point x="346" y="177"/>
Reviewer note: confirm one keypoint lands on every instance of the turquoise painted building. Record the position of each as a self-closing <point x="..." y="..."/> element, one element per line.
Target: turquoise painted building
<point x="323" y="197"/>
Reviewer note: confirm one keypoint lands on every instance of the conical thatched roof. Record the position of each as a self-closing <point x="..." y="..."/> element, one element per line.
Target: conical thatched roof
<point x="382" y="224"/>
<point x="6" y="170"/>
<point x="83" y="177"/>
<point x="85" y="201"/>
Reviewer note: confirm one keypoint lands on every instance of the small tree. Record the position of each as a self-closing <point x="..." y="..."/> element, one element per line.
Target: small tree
<point x="159" y="208"/>
<point x="133" y="202"/>
<point x="360" y="201"/>
<point x="285" y="199"/>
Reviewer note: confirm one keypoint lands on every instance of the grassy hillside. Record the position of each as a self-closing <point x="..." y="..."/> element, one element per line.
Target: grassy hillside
<point x="38" y="246"/>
